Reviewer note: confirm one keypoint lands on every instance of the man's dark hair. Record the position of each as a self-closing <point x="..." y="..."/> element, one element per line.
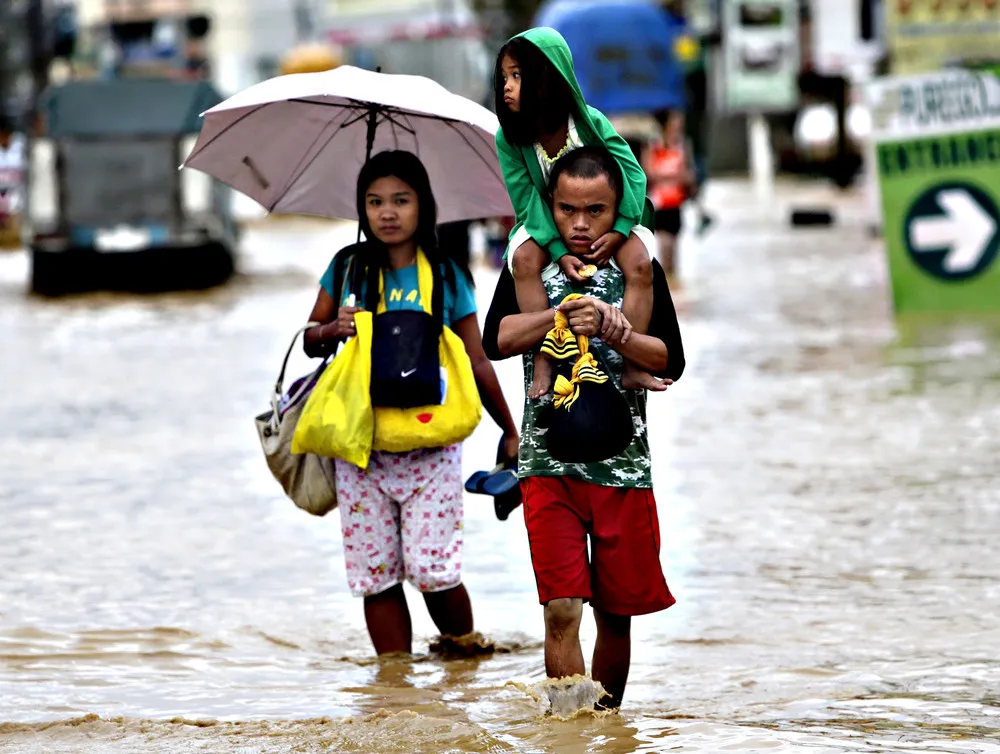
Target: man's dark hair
<point x="546" y="98"/>
<point x="588" y="162"/>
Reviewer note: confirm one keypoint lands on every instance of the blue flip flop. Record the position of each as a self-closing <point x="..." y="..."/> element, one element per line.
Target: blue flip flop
<point x="474" y="482"/>
<point x="499" y="481"/>
<point x="495" y="482"/>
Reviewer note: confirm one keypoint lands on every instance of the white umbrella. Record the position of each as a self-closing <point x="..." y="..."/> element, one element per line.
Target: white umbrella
<point x="296" y="143"/>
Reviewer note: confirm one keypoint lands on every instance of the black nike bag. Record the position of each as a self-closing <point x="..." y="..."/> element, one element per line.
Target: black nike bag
<point x="406" y="368"/>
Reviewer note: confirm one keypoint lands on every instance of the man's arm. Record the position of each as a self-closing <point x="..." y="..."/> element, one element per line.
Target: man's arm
<point x="597" y="319"/>
<point x="520" y="333"/>
<point x="645" y="351"/>
<point x="508" y="333"/>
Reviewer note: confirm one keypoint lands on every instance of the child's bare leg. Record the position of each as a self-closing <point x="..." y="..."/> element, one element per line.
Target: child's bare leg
<point x="529" y="259"/>
<point x="668" y="253"/>
<point x="637" y="306"/>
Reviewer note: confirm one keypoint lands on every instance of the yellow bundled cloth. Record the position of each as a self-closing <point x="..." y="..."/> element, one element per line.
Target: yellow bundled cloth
<point x="560" y="343"/>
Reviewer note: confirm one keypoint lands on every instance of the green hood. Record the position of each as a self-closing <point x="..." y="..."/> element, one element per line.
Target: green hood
<point x="554" y="47"/>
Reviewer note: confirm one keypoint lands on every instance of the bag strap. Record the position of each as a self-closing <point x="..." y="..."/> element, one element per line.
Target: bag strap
<point x="430" y="286"/>
<point x="279" y="385"/>
<point x="342" y="274"/>
<point x="280" y="382"/>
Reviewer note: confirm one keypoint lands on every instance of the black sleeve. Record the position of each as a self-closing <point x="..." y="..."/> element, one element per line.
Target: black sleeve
<point x="664" y="324"/>
<point x="503" y="305"/>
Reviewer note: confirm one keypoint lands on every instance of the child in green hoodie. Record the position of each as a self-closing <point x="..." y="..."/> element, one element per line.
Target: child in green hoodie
<point x="539" y="122"/>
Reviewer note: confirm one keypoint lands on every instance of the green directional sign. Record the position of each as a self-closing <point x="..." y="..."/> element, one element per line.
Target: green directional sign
<point x="940" y="201"/>
<point x="937" y="155"/>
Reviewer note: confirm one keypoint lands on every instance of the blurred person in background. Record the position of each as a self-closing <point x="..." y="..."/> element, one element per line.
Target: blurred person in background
<point x="670" y="179"/>
<point x="696" y="121"/>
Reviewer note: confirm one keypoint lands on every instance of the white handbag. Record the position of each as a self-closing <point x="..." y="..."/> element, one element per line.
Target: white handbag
<point x="309" y="480"/>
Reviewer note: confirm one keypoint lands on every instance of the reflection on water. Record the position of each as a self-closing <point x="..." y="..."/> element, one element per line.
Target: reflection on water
<point x="826" y="484"/>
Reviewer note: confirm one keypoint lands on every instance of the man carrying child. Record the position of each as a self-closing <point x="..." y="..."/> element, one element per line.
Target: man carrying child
<point x="611" y="501"/>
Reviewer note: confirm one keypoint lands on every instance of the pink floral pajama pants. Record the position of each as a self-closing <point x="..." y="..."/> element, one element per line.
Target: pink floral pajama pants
<point x="402" y="520"/>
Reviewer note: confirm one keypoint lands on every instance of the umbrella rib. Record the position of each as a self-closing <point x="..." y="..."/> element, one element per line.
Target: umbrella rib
<point x="334" y="127"/>
<point x="383" y="109"/>
<point x="388" y="116"/>
<point x="475" y="151"/>
<point x="208" y="143"/>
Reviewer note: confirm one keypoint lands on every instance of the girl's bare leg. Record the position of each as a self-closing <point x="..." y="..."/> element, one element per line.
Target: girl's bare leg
<point x="668" y="254"/>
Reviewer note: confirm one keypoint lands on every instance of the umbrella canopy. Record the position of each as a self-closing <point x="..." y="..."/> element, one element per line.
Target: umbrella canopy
<point x="296" y="143"/>
<point x="623" y="52"/>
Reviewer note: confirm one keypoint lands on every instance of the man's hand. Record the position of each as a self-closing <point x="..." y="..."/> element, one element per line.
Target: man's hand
<point x="615" y="328"/>
<point x="592" y="318"/>
<point x="572" y="267"/>
<point x="604" y="248"/>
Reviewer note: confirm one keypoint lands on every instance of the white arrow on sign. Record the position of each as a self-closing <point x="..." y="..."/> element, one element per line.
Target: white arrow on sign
<point x="965" y="230"/>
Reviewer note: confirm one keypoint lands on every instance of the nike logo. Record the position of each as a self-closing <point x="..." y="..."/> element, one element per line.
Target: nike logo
<point x="407" y="374"/>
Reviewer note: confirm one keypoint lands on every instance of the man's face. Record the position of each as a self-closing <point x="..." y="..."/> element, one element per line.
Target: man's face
<point x="584" y="210"/>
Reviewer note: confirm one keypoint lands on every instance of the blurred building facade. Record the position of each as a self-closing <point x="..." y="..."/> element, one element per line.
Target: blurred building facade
<point x="242" y="41"/>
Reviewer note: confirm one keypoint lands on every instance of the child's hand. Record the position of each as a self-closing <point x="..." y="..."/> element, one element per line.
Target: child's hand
<point x="573" y="267"/>
<point x="604" y="248"/>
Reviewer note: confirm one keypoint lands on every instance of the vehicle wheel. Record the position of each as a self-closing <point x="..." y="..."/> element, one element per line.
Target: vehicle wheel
<point x="52" y="272"/>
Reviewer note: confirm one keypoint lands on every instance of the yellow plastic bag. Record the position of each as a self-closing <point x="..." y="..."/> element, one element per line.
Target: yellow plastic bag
<point x="337" y="420"/>
<point x="399" y="430"/>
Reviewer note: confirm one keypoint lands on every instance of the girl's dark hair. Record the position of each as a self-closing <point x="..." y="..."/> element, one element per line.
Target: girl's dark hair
<point x="374" y="255"/>
<point x="546" y="98"/>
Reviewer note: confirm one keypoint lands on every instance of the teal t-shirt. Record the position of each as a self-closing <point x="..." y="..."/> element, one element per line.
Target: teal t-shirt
<point x="402" y="292"/>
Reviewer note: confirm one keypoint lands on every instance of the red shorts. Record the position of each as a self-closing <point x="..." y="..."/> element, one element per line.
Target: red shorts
<point x="623" y="575"/>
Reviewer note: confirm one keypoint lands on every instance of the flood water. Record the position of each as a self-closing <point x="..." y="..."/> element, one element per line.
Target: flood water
<point x="826" y="478"/>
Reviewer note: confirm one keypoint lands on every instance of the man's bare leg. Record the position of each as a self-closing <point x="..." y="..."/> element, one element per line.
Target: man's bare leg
<point x="563" y="655"/>
<point x="612" y="656"/>
<point x="637" y="306"/>
<point x="529" y="260"/>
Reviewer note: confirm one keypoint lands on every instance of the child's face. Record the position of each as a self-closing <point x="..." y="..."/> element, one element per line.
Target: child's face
<point x="393" y="211"/>
<point x="511" y="73"/>
<point x="584" y="210"/>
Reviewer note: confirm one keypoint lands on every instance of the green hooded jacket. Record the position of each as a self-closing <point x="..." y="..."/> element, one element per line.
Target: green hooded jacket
<point x="523" y="175"/>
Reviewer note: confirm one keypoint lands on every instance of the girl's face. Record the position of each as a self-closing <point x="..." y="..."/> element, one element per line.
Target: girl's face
<point x="393" y="211"/>
<point x="511" y="73"/>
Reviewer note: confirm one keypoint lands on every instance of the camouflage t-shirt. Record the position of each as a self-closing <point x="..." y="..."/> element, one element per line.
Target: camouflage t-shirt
<point x="633" y="468"/>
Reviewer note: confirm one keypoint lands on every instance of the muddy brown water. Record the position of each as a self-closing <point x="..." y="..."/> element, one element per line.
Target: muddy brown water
<point x="827" y="486"/>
